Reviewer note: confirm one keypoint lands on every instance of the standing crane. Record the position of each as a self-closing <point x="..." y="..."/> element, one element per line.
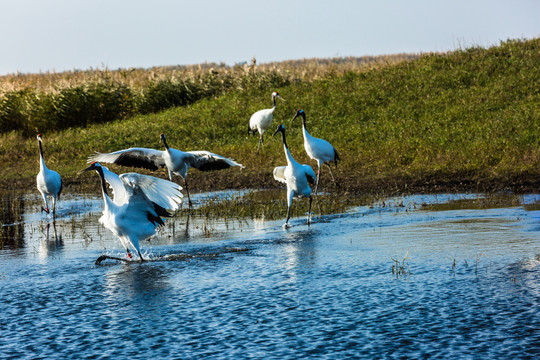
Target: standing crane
<point x="176" y="161"/>
<point x="262" y="120"/>
<point x="139" y="203"/>
<point x="49" y="182"/>
<point x="318" y="149"/>
<point x="296" y="176"/>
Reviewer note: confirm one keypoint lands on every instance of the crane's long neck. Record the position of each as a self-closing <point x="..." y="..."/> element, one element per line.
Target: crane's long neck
<point x="103" y="186"/>
<point x="288" y="155"/>
<point x="166" y="145"/>
<point x="41" y="159"/>
<point x="274" y="101"/>
<point x="304" y="122"/>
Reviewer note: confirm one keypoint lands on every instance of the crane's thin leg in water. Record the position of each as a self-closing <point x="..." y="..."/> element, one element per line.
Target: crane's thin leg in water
<point x="140" y="256"/>
<point x="309" y="211"/>
<point x="316" y="191"/>
<point x="187" y="191"/>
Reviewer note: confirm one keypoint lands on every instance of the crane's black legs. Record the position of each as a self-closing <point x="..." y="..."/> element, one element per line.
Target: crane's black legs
<point x="187" y="191"/>
<point x="309" y="211"/>
<point x="318" y="178"/>
<point x="288" y="216"/>
<point x="330" y="168"/>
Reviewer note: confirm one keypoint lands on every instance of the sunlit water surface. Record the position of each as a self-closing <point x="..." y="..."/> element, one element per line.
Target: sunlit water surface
<point x="466" y="284"/>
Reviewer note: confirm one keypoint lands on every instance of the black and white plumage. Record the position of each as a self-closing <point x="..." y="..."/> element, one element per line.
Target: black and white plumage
<point x="296" y="176"/>
<point x="138" y="205"/>
<point x="176" y="161"/>
<point x="262" y="120"/>
<point x="318" y="149"/>
<point x="49" y="182"/>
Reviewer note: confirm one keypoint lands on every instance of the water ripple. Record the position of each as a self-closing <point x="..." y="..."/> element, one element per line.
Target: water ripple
<point x="470" y="289"/>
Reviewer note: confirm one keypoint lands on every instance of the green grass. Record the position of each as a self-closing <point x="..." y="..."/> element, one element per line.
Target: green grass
<point x="468" y="119"/>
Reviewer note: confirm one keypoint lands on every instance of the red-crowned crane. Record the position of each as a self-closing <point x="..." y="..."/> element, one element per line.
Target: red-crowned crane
<point x="318" y="149"/>
<point x="176" y="161"/>
<point x="262" y="120"/>
<point x="296" y="176"/>
<point x="49" y="182"/>
<point x="139" y="203"/>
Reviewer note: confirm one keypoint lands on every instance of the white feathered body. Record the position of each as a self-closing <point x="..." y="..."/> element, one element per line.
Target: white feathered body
<point x="49" y="182"/>
<point x="176" y="162"/>
<point x="261" y="120"/>
<point x="127" y="216"/>
<point x="318" y="149"/>
<point x="296" y="176"/>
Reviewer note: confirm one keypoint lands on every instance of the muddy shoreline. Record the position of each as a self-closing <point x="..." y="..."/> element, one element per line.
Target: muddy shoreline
<point x="356" y="184"/>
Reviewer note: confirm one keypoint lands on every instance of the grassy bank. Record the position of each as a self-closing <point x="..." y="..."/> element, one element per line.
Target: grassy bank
<point x="80" y="98"/>
<point x="466" y="120"/>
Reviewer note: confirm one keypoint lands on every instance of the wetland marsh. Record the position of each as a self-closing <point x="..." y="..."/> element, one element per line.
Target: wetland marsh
<point x="241" y="286"/>
<point x="453" y="275"/>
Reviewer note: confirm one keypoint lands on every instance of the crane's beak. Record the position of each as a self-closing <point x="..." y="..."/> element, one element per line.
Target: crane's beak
<point x="295" y="116"/>
<point x="277" y="130"/>
<point x="91" y="167"/>
<point x="279" y="97"/>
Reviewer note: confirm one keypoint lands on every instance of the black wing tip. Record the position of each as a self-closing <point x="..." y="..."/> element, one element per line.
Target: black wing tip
<point x="215" y="165"/>
<point x="126" y="160"/>
<point x="161" y="211"/>
<point x="157" y="220"/>
<point x="59" y="191"/>
<point x="336" y="157"/>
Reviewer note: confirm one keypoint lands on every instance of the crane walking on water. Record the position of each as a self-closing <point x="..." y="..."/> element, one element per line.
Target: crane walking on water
<point x="262" y="120"/>
<point x="318" y="149"/>
<point x="49" y="182"/>
<point x="296" y="176"/>
<point x="139" y="203"/>
<point x="176" y="161"/>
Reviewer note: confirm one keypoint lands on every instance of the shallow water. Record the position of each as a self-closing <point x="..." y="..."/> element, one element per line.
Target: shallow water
<point x="469" y="285"/>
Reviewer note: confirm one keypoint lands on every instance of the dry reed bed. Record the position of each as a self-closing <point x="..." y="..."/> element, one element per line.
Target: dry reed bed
<point x="138" y="78"/>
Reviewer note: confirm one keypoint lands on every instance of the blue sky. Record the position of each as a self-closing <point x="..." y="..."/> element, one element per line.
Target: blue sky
<point x="58" y="35"/>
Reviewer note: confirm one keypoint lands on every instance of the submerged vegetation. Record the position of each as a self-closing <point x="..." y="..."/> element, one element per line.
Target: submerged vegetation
<point x="272" y="205"/>
<point x="463" y="120"/>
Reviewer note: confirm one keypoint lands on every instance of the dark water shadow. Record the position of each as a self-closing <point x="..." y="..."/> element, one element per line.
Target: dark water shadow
<point x="11" y="218"/>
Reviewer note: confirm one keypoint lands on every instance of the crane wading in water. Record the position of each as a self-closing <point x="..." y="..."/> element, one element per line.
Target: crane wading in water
<point x="318" y="149"/>
<point x="296" y="176"/>
<point x="139" y="203"/>
<point x="49" y="182"/>
<point x="176" y="161"/>
<point x="262" y="120"/>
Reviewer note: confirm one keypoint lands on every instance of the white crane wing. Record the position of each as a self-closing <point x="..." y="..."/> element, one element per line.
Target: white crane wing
<point x="136" y="157"/>
<point x="159" y="191"/>
<point x="279" y="174"/>
<point x="207" y="161"/>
